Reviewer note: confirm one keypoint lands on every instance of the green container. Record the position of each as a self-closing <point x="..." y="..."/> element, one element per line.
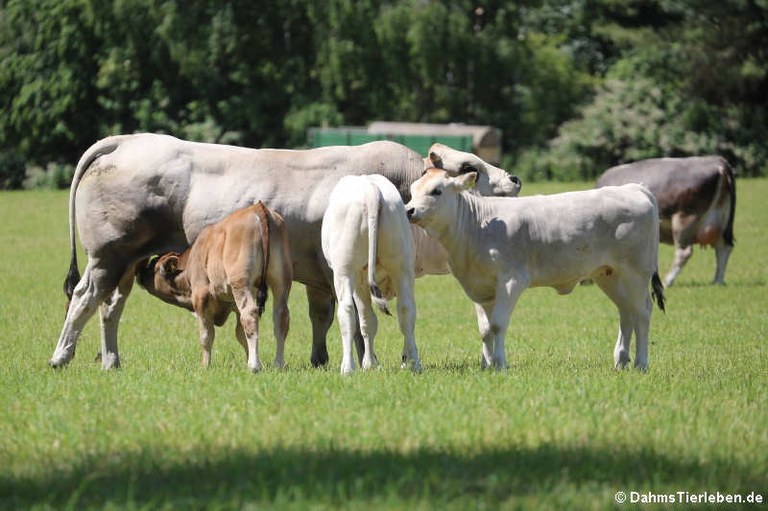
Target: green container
<point x="321" y="137"/>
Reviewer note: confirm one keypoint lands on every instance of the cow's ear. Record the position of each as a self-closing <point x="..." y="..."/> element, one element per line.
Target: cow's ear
<point x="466" y="181"/>
<point x="436" y="160"/>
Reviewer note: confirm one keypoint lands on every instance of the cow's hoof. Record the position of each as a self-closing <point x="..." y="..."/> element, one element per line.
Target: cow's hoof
<point x="110" y="361"/>
<point x="319" y="359"/>
<point x="347" y="368"/>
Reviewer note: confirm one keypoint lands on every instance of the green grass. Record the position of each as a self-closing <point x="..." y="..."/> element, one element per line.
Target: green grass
<point x="560" y="429"/>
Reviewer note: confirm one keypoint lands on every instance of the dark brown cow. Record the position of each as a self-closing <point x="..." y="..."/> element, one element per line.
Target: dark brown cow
<point x="697" y="202"/>
<point x="227" y="268"/>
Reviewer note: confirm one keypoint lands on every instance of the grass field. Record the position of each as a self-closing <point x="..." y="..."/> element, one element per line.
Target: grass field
<point x="560" y="429"/>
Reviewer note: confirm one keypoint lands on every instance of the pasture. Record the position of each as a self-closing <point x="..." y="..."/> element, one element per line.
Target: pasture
<point x="560" y="429"/>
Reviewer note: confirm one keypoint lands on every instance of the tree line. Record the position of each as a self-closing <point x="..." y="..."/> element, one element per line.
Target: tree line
<point x="575" y="85"/>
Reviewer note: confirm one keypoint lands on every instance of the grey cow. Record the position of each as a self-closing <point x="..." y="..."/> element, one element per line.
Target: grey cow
<point x="697" y="203"/>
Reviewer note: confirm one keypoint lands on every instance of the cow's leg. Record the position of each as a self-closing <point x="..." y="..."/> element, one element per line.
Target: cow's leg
<point x="249" y="318"/>
<point x="684" y="229"/>
<point x="369" y="325"/>
<point x="682" y="254"/>
<point x="94" y="286"/>
<point x="321" y="304"/>
<point x="359" y="341"/>
<point x="110" y="311"/>
<point x="722" y="253"/>
<point x="345" y="286"/>
<point x="281" y="321"/>
<point x="406" y="318"/>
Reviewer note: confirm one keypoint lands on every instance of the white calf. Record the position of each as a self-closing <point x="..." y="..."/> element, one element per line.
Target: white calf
<point x="498" y="247"/>
<point x="368" y="244"/>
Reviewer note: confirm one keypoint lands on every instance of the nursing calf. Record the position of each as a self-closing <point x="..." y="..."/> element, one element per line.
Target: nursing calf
<point x="228" y="267"/>
<point x="498" y="247"/>
<point x="368" y="244"/>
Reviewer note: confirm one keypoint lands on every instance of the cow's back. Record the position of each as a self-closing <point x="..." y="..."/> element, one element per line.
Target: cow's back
<point x="679" y="184"/>
<point x="156" y="193"/>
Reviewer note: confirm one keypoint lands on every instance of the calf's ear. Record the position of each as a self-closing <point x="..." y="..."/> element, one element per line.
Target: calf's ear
<point x="466" y="181"/>
<point x="170" y="267"/>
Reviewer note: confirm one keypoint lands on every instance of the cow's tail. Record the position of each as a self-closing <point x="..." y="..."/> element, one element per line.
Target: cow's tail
<point x="261" y="291"/>
<point x="97" y="150"/>
<point x="373" y="205"/>
<point x="657" y="291"/>
<point x="730" y="182"/>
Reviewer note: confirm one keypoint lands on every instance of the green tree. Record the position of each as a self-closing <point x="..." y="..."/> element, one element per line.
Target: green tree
<point x="46" y="85"/>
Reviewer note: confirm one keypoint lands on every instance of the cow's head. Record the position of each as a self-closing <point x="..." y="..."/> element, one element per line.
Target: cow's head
<point x="164" y="277"/>
<point x="490" y="180"/>
<point x="434" y="198"/>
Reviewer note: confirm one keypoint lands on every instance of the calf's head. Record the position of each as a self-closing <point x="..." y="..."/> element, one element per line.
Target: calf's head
<point x="165" y="278"/>
<point x="435" y="198"/>
<point x="490" y="180"/>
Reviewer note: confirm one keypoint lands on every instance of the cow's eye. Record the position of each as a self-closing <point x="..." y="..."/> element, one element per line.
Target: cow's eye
<point x="436" y="192"/>
<point x="467" y="167"/>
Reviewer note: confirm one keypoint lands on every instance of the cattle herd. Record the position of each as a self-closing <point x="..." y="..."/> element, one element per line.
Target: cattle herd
<point x="211" y="227"/>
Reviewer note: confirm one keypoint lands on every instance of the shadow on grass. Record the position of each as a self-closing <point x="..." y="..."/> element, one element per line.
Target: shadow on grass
<point x="336" y="477"/>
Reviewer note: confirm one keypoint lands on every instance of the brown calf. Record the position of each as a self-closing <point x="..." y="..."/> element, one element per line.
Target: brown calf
<point x="228" y="267"/>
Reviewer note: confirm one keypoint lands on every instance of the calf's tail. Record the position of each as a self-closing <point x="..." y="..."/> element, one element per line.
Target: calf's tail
<point x="373" y="204"/>
<point x="261" y="291"/>
<point x="657" y="291"/>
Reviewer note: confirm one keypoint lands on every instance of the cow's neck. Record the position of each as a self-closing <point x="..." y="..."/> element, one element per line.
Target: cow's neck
<point x="459" y="235"/>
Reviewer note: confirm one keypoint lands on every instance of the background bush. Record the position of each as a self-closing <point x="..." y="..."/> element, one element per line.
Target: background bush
<point x="575" y="85"/>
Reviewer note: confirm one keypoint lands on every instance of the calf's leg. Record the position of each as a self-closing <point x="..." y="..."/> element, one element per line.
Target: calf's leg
<point x="632" y="299"/>
<point x="347" y="322"/>
<point x="249" y="319"/>
<point x="508" y="290"/>
<point x="207" y="335"/>
<point x="369" y="325"/>
<point x="484" y="325"/>
<point x="406" y="318"/>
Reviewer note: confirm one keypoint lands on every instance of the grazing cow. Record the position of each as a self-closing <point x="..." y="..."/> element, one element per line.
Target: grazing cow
<point x="368" y="244"/>
<point x="138" y="195"/>
<point x="697" y="202"/>
<point x="229" y="267"/>
<point x="498" y="247"/>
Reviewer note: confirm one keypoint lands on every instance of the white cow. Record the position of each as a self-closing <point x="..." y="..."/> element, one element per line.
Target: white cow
<point x="137" y="195"/>
<point x="368" y="244"/>
<point x="498" y="247"/>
